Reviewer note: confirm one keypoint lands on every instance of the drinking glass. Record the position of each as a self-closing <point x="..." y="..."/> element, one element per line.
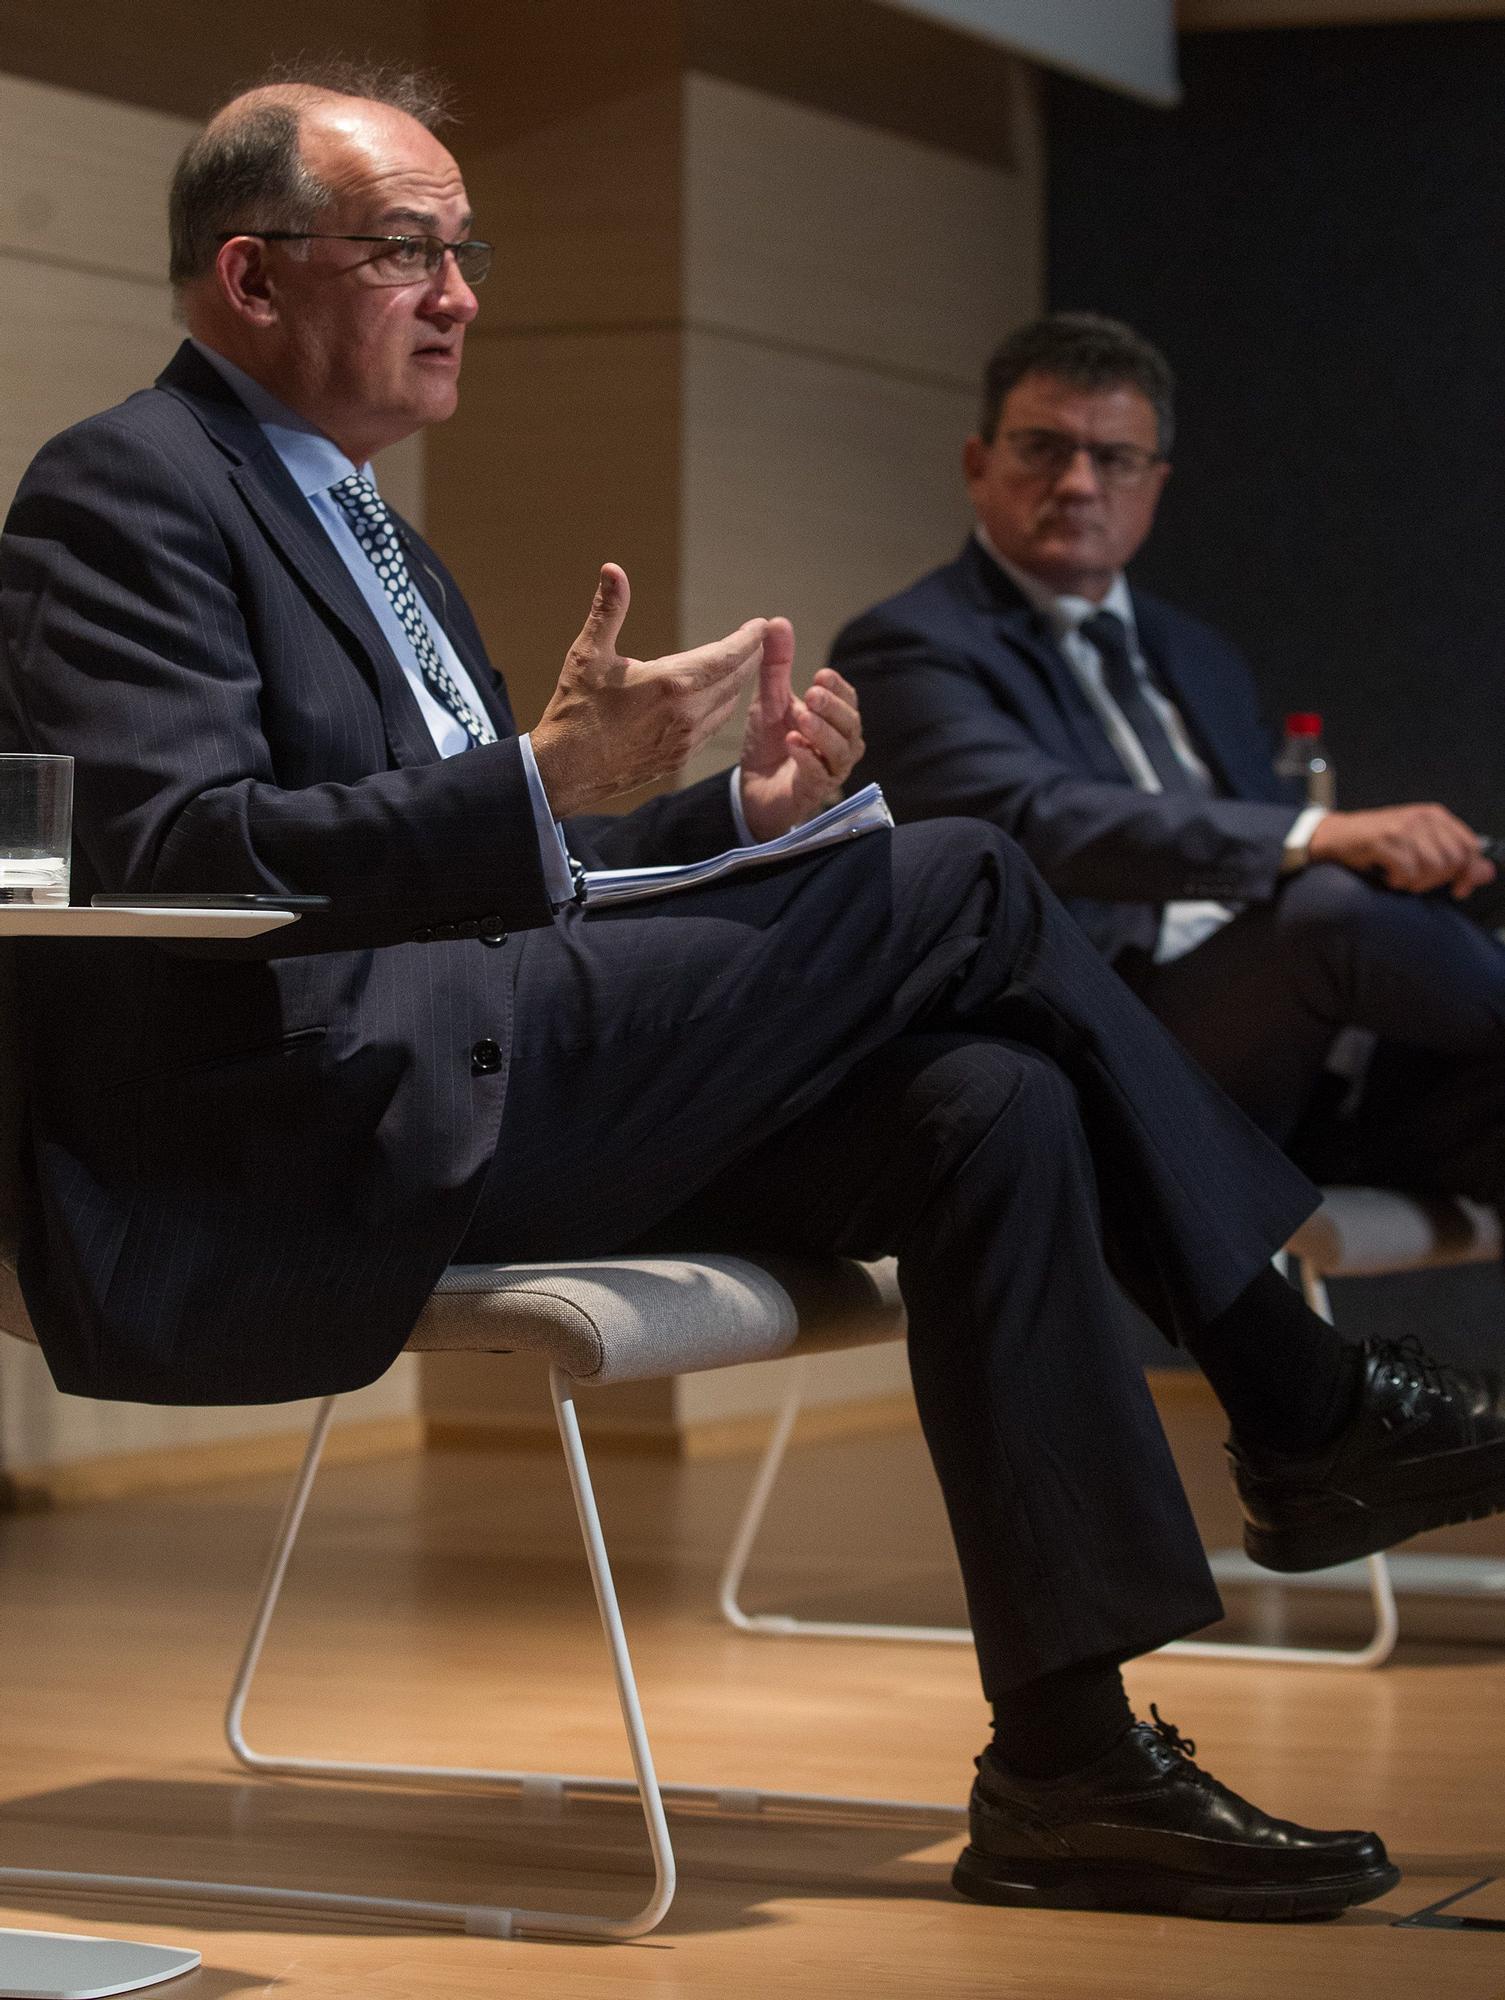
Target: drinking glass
<point x="36" y="828"/>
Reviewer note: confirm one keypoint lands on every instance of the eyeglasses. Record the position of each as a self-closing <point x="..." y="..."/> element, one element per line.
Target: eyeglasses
<point x="1047" y="454"/>
<point x="399" y="260"/>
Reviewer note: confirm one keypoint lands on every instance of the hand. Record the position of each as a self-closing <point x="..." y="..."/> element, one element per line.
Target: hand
<point x="796" y="755"/>
<point x="1408" y="847"/>
<point x="613" y="723"/>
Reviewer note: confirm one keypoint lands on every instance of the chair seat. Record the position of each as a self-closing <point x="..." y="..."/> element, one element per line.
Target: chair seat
<point x="1367" y="1232"/>
<point x="629" y="1319"/>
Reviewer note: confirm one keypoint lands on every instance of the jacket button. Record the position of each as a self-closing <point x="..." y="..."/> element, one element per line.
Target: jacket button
<point x="491" y="932"/>
<point x="485" y="1058"/>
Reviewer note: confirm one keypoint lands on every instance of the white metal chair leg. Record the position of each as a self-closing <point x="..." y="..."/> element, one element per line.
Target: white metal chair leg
<point x="1373" y="1652"/>
<point x="553" y="1787"/>
<point x="782" y="1624"/>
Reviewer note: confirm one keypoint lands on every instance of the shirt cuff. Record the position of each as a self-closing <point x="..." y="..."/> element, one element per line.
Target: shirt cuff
<point x="1299" y="839"/>
<point x="739" y="818"/>
<point x="558" y="877"/>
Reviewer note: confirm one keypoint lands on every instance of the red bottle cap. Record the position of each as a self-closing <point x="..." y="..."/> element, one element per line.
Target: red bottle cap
<point x="1303" y="725"/>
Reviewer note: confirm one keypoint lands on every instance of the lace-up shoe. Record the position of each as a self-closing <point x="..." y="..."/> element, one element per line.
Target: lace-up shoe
<point x="1424" y="1447"/>
<point x="1144" y="1828"/>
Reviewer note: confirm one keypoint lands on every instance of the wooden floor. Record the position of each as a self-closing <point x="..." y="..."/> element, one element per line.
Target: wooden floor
<point x="439" y="1612"/>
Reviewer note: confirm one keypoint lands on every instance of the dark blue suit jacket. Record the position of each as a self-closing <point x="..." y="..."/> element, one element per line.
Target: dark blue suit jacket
<point x="969" y="707"/>
<point x="250" y="1163"/>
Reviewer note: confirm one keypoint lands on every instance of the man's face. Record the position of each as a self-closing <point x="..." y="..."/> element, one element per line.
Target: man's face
<point x="366" y="360"/>
<point x="1062" y="516"/>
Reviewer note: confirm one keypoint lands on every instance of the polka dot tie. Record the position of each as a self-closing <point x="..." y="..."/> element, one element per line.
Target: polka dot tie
<point x="373" y="529"/>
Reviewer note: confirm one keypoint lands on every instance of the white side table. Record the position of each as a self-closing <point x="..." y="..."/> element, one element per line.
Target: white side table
<point x="53" y="1965"/>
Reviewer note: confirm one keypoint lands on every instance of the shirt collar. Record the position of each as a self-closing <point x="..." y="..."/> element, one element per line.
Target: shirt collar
<point x="1064" y="615"/>
<point x="314" y="461"/>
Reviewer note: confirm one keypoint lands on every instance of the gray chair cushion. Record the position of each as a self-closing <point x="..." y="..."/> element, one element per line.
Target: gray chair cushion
<point x="627" y="1319"/>
<point x="1365" y="1232"/>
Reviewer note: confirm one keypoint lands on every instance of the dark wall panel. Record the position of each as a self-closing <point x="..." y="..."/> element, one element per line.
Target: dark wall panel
<point x="1317" y="237"/>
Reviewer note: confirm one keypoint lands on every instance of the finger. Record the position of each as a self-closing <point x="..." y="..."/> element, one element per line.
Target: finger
<point x="834" y="709"/>
<point x="829" y="744"/>
<point x="1474" y="876"/>
<point x="837" y="684"/>
<point x="608" y="612"/>
<point x="722" y="659"/>
<point x="818" y="781"/>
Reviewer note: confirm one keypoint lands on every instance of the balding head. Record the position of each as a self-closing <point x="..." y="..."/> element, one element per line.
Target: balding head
<point x="247" y="168"/>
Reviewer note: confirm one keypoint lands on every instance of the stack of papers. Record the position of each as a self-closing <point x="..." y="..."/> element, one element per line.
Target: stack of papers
<point x="864" y="812"/>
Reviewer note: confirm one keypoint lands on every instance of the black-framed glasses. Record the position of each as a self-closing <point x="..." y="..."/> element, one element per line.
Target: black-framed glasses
<point x="397" y="260"/>
<point x="1046" y="455"/>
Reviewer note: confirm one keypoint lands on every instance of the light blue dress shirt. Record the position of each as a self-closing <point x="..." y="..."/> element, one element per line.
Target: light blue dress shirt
<point x="315" y="463"/>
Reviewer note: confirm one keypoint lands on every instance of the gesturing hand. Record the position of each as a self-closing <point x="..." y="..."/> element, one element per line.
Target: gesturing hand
<point x="1408" y="847"/>
<point x="796" y="755"/>
<point x="613" y="723"/>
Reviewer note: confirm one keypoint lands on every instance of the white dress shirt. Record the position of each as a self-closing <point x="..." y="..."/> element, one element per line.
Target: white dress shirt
<point x="1184" y="925"/>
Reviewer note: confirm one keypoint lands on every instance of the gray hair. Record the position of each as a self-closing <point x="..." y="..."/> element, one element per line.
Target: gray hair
<point x="245" y="169"/>
<point x="1088" y="350"/>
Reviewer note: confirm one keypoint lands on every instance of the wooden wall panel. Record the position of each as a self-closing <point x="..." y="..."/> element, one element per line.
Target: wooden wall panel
<point x="83" y="183"/>
<point x="584" y="209"/>
<point x="564" y="454"/>
<point x="808" y="230"/>
<point x="179" y="56"/>
<point x="812" y="487"/>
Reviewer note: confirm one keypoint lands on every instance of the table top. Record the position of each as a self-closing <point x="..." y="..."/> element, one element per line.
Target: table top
<point x="143" y="921"/>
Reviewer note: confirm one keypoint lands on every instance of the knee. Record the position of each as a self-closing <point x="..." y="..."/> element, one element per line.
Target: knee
<point x="967" y="1091"/>
<point x="1327" y="904"/>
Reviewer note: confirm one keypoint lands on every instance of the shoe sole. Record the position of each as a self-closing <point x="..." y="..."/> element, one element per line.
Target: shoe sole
<point x="1068" y="1885"/>
<point x="1366" y="1531"/>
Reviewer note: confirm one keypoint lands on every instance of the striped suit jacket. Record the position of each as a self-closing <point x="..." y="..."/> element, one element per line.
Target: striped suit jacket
<point x="248" y="1164"/>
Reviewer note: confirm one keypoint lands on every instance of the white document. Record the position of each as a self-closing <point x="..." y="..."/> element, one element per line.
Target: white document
<point x="864" y="812"/>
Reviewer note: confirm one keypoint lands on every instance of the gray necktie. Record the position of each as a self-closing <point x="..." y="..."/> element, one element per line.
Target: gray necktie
<point x="374" y="530"/>
<point x="1106" y="631"/>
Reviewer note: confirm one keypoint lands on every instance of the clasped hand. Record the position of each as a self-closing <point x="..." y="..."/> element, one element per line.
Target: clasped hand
<point x="1416" y="848"/>
<point x="615" y="723"/>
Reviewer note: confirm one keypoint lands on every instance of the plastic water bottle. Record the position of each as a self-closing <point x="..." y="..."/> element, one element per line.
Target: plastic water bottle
<point x="1303" y="757"/>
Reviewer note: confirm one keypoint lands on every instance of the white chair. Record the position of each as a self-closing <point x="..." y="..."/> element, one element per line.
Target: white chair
<point x="608" y="1320"/>
<point x="1357" y="1232"/>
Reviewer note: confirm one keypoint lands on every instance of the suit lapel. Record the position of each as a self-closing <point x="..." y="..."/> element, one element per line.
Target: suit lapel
<point x="287" y="521"/>
<point x="1025" y="633"/>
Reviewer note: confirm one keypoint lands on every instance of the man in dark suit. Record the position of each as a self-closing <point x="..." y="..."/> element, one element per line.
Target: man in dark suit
<point x="249" y="1168"/>
<point x="1119" y="742"/>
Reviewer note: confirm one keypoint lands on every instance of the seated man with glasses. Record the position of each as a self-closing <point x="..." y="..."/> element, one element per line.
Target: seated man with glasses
<point x="1119" y="742"/>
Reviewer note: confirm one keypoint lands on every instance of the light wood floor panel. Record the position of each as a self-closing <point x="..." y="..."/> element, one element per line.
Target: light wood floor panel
<point x="439" y="1610"/>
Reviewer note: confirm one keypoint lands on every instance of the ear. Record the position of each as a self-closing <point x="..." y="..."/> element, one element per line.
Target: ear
<point x="244" y="281"/>
<point x="975" y="456"/>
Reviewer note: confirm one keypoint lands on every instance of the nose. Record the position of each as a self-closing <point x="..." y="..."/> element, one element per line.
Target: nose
<point x="448" y="295"/>
<point x="1080" y="475"/>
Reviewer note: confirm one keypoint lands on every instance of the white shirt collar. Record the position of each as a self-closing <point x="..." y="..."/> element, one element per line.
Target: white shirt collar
<point x="314" y="460"/>
<point x="1064" y="615"/>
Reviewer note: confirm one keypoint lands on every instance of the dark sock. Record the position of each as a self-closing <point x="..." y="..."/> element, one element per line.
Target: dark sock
<point x="1284" y="1377"/>
<point x="1063" y="1721"/>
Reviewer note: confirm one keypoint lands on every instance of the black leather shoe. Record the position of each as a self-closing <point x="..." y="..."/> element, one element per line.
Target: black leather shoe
<point x="1425" y="1447"/>
<point x="1145" y="1829"/>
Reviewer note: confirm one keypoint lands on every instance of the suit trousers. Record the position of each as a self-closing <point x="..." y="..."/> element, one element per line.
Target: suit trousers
<point x="1260" y="1002"/>
<point x="905" y="1045"/>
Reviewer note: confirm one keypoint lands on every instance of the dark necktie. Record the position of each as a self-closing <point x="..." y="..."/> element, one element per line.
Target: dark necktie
<point x="373" y="528"/>
<point x="1106" y="631"/>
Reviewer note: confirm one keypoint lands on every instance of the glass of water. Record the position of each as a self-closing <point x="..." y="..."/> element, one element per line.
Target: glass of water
<point x="36" y="828"/>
